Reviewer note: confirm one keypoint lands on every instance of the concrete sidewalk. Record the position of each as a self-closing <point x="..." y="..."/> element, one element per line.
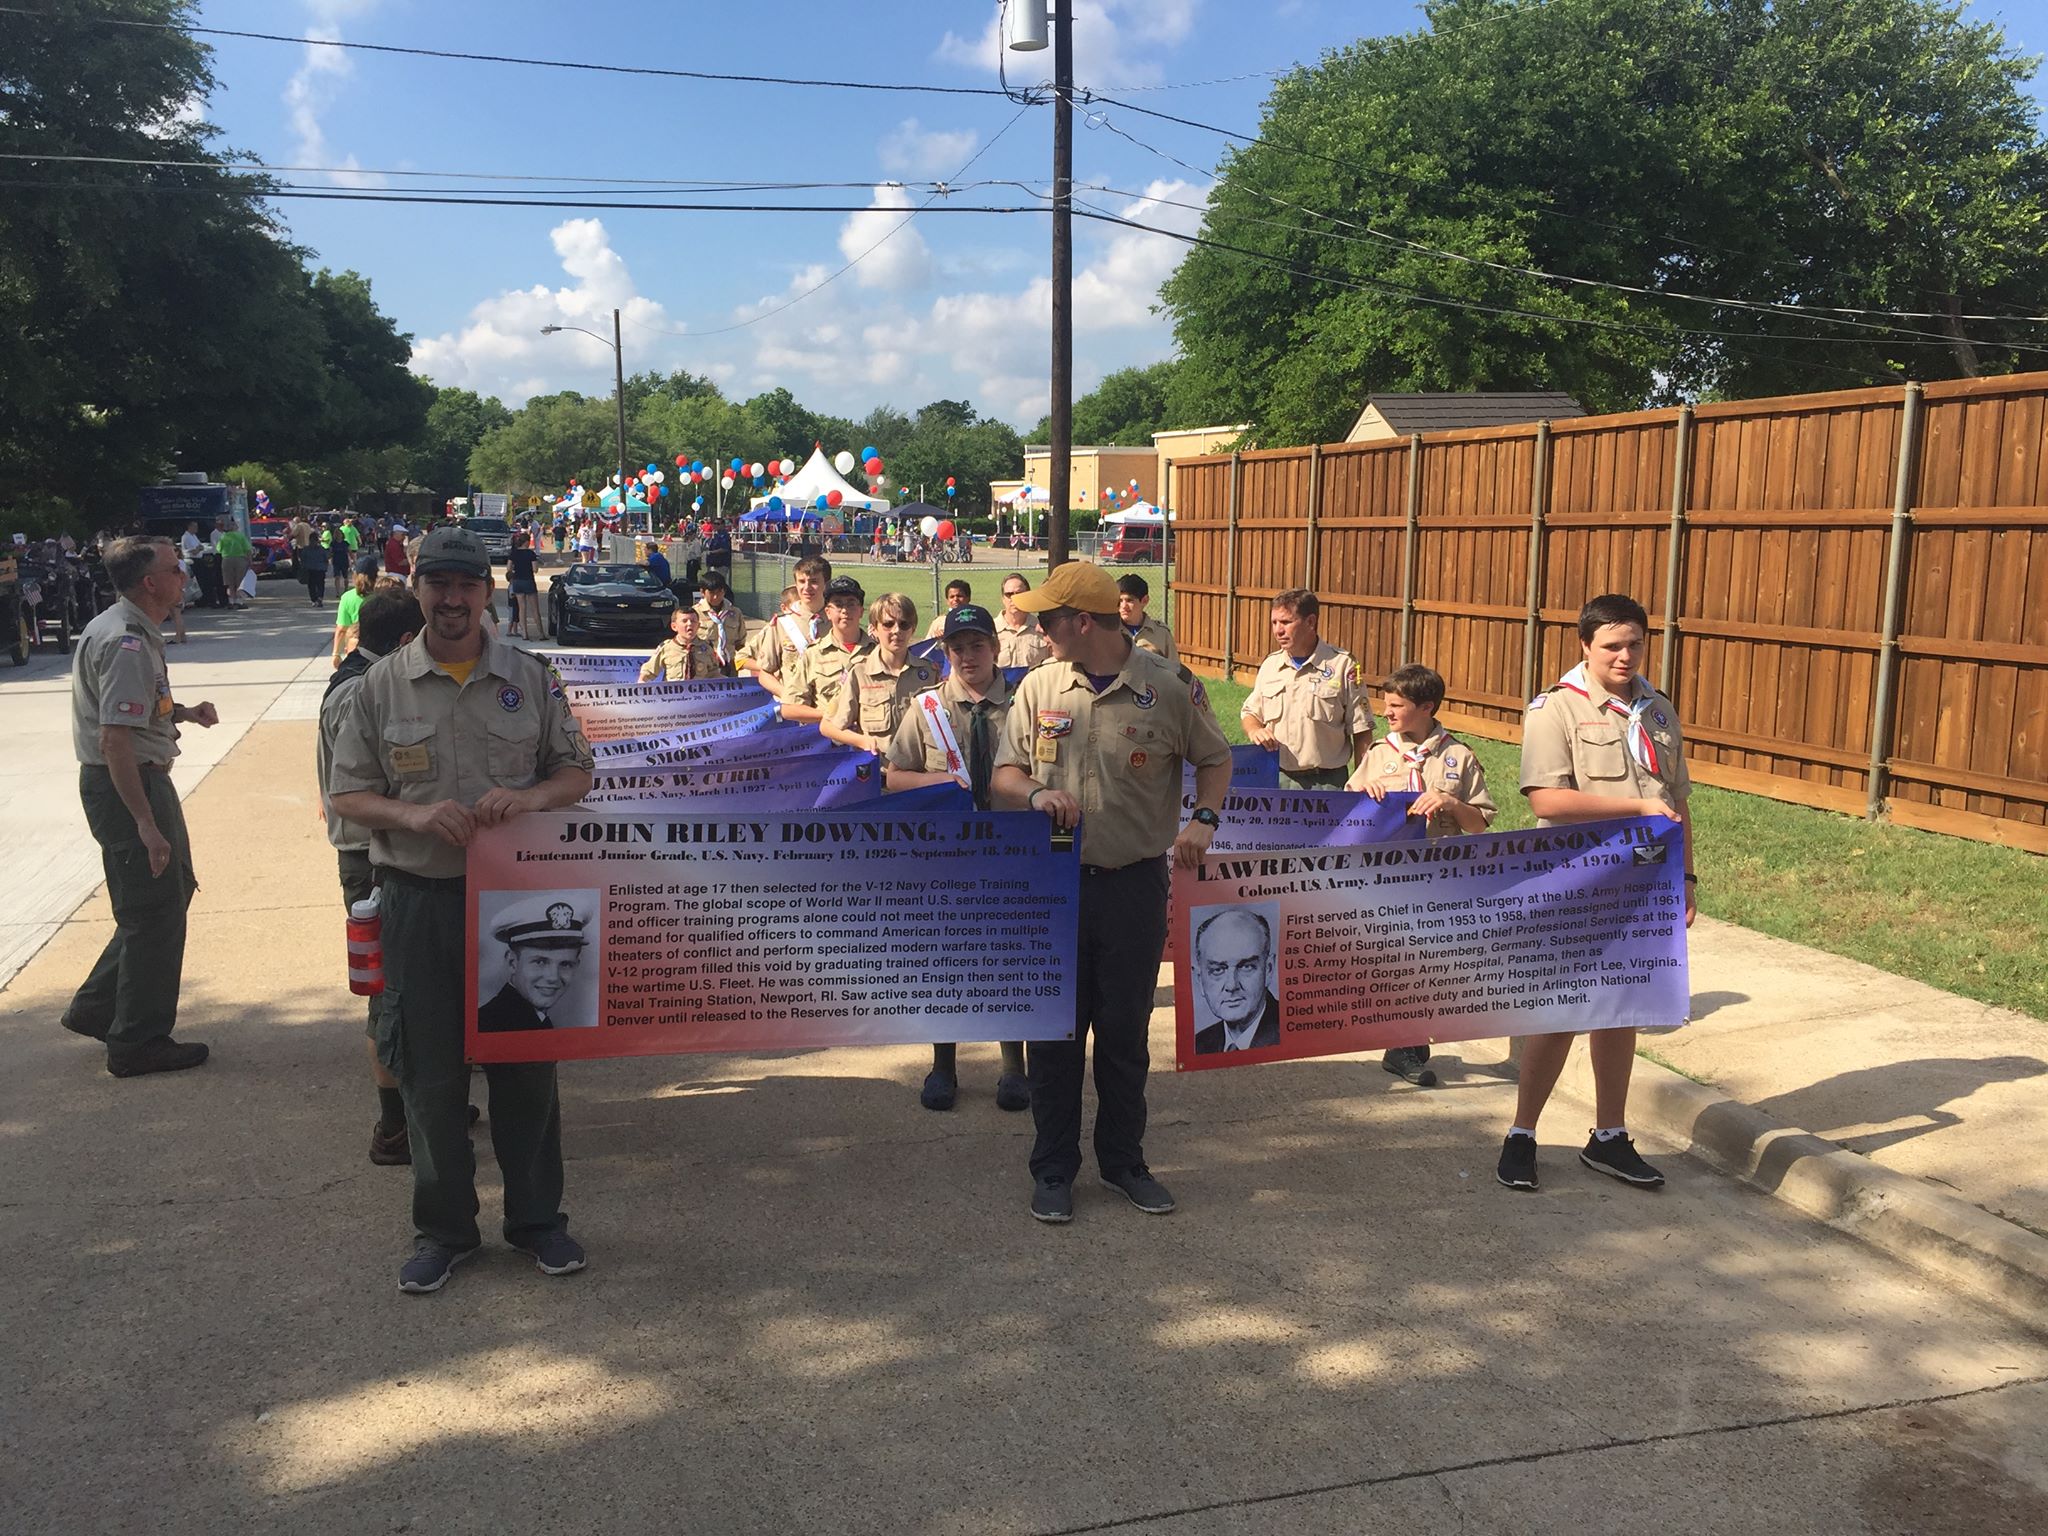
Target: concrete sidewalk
<point x="815" y="1307"/>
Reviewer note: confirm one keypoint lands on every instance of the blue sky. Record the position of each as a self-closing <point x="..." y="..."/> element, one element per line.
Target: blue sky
<point x="951" y="305"/>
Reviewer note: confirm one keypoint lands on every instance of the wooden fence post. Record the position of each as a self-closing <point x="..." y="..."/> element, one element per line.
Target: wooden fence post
<point x="1230" y="576"/>
<point x="1315" y="512"/>
<point x="1674" y="563"/>
<point x="1405" y="638"/>
<point x="1539" y="507"/>
<point x="1883" y="712"/>
<point x="1166" y="537"/>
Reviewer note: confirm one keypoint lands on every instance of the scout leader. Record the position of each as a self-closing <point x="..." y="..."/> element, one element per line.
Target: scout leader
<point x="455" y="732"/>
<point x="948" y="736"/>
<point x="1599" y="743"/>
<point x="1309" y="703"/>
<point x="1098" y="736"/>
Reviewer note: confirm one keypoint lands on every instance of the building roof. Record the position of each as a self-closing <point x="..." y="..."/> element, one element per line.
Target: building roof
<point x="1456" y="412"/>
<point x="1044" y="450"/>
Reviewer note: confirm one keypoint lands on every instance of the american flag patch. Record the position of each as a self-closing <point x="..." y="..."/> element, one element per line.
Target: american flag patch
<point x="130" y="643"/>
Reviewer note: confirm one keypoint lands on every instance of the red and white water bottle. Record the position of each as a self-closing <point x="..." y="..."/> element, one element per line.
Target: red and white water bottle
<point x="366" y="948"/>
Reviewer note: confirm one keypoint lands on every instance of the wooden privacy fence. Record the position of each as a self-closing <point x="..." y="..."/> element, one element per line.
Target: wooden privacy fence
<point x="1848" y="593"/>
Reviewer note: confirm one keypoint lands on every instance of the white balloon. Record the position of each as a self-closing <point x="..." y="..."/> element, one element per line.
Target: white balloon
<point x="658" y="476"/>
<point x="725" y="482"/>
<point x="930" y="525"/>
<point x="842" y="461"/>
<point x="756" y="470"/>
<point x="789" y="466"/>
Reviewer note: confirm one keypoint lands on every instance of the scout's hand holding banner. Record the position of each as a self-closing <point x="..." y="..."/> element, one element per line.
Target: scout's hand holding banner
<point x="1313" y="951"/>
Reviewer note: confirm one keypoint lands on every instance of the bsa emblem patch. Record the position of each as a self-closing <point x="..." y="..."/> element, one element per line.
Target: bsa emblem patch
<point x="1451" y="770"/>
<point x="1145" y="698"/>
<point x="509" y="699"/>
<point x="1137" y="759"/>
<point x="924" y="674"/>
<point x="1055" y="723"/>
<point x="1662" y="718"/>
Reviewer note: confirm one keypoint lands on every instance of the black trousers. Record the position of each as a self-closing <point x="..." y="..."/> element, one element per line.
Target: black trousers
<point x="1122" y="933"/>
<point x="131" y="995"/>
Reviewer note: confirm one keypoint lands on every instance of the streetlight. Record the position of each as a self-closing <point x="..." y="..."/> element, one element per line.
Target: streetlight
<point x="1028" y="26"/>
<point x="619" y="391"/>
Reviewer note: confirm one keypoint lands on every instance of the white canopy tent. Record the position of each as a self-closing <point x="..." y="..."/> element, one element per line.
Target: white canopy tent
<point x="1026" y="495"/>
<point x="818" y="478"/>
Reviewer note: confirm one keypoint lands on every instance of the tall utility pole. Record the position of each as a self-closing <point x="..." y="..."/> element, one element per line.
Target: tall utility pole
<point x="1060" y="470"/>
<point x="619" y="384"/>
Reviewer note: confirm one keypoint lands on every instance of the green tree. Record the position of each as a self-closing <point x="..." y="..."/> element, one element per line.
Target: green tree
<point x="456" y="422"/>
<point x="1862" y="153"/>
<point x="1125" y="409"/>
<point x="550" y="441"/>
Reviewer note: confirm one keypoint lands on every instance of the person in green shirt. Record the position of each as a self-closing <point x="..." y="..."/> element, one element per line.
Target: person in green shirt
<point x="234" y="549"/>
<point x="348" y="609"/>
<point x="354" y="536"/>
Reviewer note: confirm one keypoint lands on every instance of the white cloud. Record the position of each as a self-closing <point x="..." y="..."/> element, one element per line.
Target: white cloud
<point x="314" y="86"/>
<point x="910" y="149"/>
<point x="891" y="252"/>
<point x="502" y="352"/>
<point x="1108" y="38"/>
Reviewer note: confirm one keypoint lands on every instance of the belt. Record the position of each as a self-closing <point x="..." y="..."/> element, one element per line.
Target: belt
<point x="1118" y="869"/>
<point x="392" y="873"/>
<point x="145" y="767"/>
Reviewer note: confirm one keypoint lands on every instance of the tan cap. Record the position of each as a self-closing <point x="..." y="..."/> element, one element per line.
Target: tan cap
<point x="1078" y="585"/>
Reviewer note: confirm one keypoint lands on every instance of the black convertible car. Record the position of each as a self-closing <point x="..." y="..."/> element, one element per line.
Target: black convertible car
<point x="609" y="602"/>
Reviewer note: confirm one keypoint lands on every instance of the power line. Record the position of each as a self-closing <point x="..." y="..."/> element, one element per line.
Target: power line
<point x="487" y="200"/>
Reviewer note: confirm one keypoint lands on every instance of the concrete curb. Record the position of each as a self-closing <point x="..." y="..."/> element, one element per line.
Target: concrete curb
<point x="1935" y="1232"/>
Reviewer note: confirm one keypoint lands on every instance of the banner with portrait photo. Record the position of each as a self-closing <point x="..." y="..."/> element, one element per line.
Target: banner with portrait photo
<point x="624" y="711"/>
<point x="912" y="920"/>
<point x="1309" y="951"/>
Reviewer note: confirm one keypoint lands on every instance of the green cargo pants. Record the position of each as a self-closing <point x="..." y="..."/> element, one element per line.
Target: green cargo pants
<point x="131" y="996"/>
<point x="420" y="1038"/>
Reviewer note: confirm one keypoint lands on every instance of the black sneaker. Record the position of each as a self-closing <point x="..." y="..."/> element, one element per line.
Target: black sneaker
<point x="1406" y="1063"/>
<point x="1617" y="1157"/>
<point x="554" y="1253"/>
<point x="160" y="1055"/>
<point x="390" y="1149"/>
<point x="940" y="1090"/>
<point x="1141" y="1189"/>
<point x="1517" y="1167"/>
<point x="427" y="1270"/>
<point x="1052" y="1199"/>
<point x="1013" y="1091"/>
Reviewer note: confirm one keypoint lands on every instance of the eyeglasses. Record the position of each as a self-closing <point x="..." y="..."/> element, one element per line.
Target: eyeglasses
<point x="892" y="624"/>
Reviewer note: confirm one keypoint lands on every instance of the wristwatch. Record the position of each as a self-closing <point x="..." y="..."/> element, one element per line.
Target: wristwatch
<point x="1207" y="818"/>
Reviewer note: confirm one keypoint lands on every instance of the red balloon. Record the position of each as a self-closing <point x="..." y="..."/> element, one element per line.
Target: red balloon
<point x="949" y="479"/>
<point x="947" y="530"/>
<point x="681" y="460"/>
<point x="833" y="498"/>
<point x="873" y="466"/>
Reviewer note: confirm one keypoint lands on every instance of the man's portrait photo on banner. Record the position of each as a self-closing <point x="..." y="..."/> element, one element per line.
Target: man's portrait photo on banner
<point x="538" y="965"/>
<point x="1237" y="1007"/>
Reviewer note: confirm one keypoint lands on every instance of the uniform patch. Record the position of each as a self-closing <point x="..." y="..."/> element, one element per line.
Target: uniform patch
<point x="1137" y="759"/>
<point x="1539" y="701"/>
<point x="131" y="643"/>
<point x="925" y="674"/>
<point x="1055" y="723"/>
<point x="1358" y="674"/>
<point x="1199" y="694"/>
<point x="1145" y="698"/>
<point x="1662" y="718"/>
<point x="864" y="772"/>
<point x="128" y="707"/>
<point x="510" y="698"/>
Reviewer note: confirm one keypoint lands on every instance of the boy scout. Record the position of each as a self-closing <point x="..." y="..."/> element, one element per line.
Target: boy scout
<point x="948" y="736"/>
<point x="880" y="682"/>
<point x="775" y="649"/>
<point x="682" y="658"/>
<point x="1597" y="744"/>
<point x="390" y="618"/>
<point x="958" y="593"/>
<point x="811" y="684"/>
<point x="1133" y="593"/>
<point x="720" y="621"/>
<point x="1420" y="756"/>
<point x="456" y="732"/>
<point x="1019" y="640"/>
<point x="1098" y="736"/>
<point x="1309" y="702"/>
<point x="124" y="730"/>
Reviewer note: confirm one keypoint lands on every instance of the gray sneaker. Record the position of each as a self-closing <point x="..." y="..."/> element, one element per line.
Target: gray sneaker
<point x="1052" y="1199"/>
<point x="1141" y="1189"/>
<point x="428" y="1268"/>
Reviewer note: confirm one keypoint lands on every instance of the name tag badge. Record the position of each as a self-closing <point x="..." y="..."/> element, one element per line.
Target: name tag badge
<point x="1047" y="750"/>
<point x="414" y="759"/>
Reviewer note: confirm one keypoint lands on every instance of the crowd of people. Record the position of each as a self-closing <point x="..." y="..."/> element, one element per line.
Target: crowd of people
<point x="1070" y="702"/>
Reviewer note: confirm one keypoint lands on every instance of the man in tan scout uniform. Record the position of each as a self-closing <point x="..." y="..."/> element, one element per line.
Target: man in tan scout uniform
<point x="1421" y="757"/>
<point x="1597" y="744"/>
<point x="811" y="685"/>
<point x="1098" y="735"/>
<point x="1019" y="640"/>
<point x="452" y="733"/>
<point x="1309" y="703"/>
<point x="1133" y="593"/>
<point x="880" y="682"/>
<point x="774" y="651"/>
<point x="948" y="736"/>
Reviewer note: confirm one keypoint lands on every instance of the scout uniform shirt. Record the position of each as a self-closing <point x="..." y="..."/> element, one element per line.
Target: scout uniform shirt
<point x="1155" y="637"/>
<point x="1575" y="735"/>
<point x="724" y="631"/>
<point x="780" y="643"/>
<point x="674" y="663"/>
<point x="1315" y="708"/>
<point x="1442" y="763"/>
<point x="419" y="736"/>
<point x="920" y="746"/>
<point x="1118" y="752"/>
<point x="1020" y="645"/>
<point x="873" y="700"/>
<point x="119" y="678"/>
<point x="814" y="678"/>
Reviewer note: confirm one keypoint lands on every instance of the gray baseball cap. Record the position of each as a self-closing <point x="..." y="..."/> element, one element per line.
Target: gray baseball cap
<point x="453" y="549"/>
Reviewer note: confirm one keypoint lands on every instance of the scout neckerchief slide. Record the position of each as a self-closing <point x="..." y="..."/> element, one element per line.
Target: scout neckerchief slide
<point x="943" y="737"/>
<point x="1640" y="747"/>
<point x="1416" y="756"/>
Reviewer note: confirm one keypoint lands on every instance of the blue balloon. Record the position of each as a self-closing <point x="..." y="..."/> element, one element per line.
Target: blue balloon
<point x="697" y="465"/>
<point x="774" y="503"/>
<point x="757" y="481"/>
<point x="652" y="467"/>
<point x="738" y="465"/>
<point x="868" y="453"/>
<point x="949" y="490"/>
<point x="820" y="502"/>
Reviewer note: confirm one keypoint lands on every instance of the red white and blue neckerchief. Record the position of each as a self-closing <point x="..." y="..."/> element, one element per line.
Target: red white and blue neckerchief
<point x="1640" y="746"/>
<point x="1415" y="755"/>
